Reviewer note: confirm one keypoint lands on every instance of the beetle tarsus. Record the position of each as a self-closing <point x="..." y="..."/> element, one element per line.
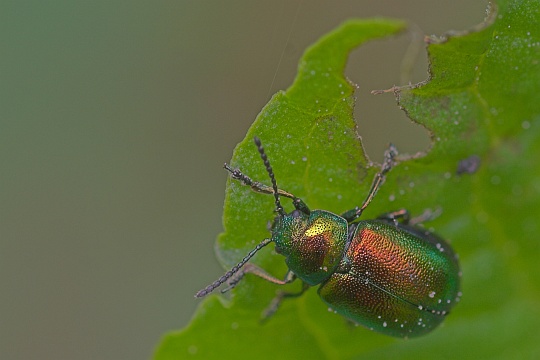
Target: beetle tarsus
<point x="276" y="301"/>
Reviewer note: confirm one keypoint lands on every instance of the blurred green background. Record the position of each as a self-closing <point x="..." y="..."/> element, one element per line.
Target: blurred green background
<point x="116" y="118"/>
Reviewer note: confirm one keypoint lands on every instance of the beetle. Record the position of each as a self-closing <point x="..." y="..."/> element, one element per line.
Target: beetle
<point x="387" y="274"/>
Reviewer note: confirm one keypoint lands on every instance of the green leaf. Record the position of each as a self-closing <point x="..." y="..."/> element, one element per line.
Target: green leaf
<point x="483" y="99"/>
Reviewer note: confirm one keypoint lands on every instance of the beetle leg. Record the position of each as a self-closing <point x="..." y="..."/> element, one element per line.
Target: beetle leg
<point x="389" y="162"/>
<point x="427" y="215"/>
<point x="350" y="215"/>
<point x="281" y="295"/>
<point x="404" y="217"/>
<point x="401" y="215"/>
<point x="260" y="272"/>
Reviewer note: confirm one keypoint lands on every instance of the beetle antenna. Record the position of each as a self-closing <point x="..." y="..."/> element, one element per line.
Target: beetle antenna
<point x="207" y="290"/>
<point x="264" y="158"/>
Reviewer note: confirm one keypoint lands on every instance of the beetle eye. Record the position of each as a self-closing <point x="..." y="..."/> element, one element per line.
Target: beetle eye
<point x="296" y="213"/>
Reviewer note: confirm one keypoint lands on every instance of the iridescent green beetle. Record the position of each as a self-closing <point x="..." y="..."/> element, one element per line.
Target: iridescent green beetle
<point x="386" y="274"/>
